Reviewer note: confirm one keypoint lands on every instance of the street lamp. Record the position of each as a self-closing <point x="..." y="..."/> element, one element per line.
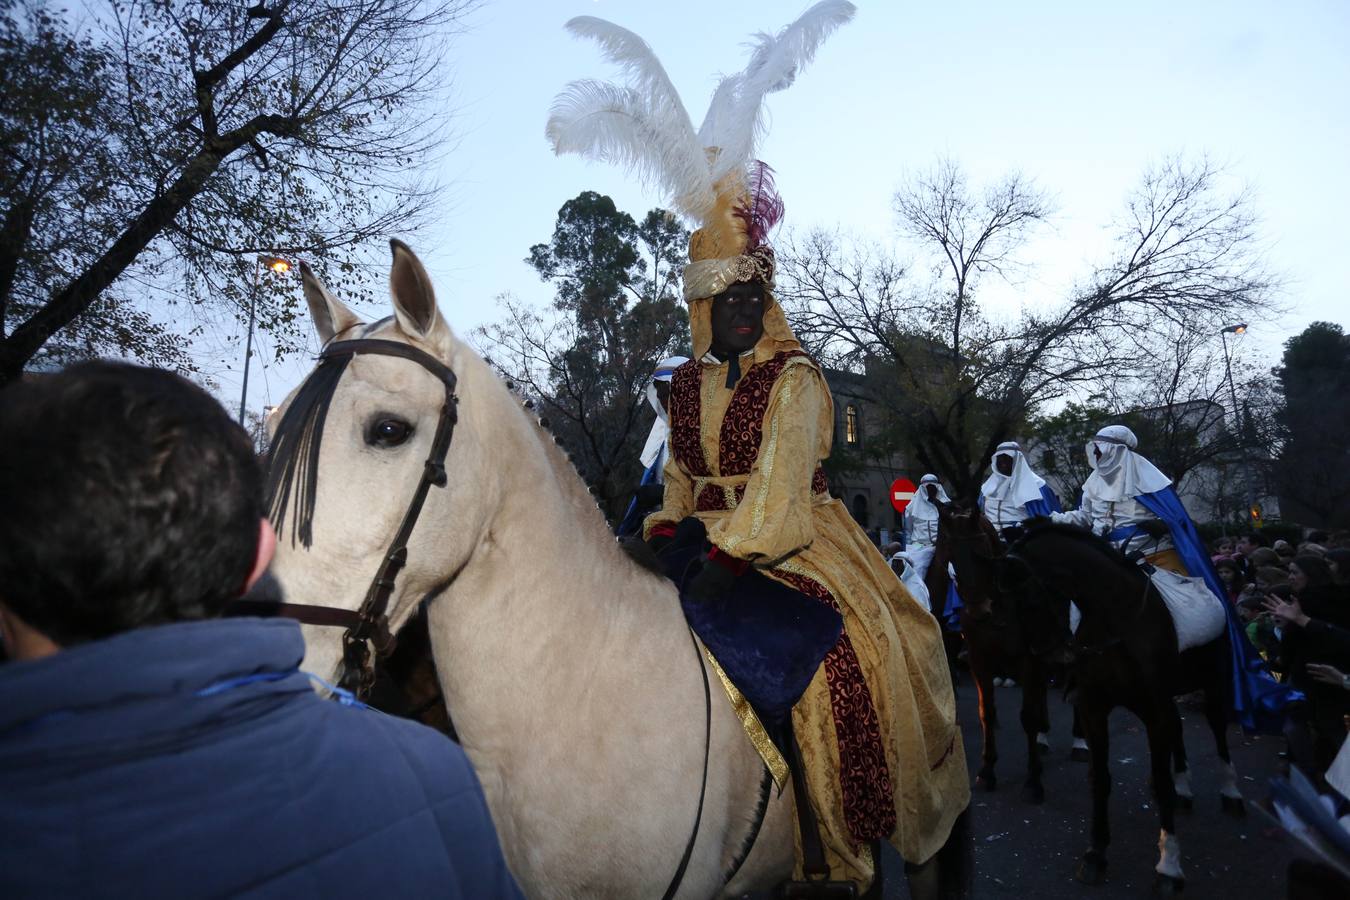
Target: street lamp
<point x="1240" y="328"/>
<point x="281" y="267"/>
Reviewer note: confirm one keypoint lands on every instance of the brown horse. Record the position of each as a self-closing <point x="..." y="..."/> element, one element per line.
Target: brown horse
<point x="993" y="638"/>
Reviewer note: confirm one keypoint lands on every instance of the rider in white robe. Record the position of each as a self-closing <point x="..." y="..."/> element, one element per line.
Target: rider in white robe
<point x="1012" y="492"/>
<point x="921" y="523"/>
<point x="1110" y="506"/>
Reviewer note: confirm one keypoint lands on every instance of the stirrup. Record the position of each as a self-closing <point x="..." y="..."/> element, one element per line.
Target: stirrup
<point x="816" y="883"/>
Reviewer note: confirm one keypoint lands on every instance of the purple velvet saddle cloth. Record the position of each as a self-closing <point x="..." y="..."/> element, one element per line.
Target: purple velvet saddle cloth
<point x="769" y="638"/>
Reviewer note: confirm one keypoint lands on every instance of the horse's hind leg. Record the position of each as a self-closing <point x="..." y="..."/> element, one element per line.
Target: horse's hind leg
<point x="1216" y="713"/>
<point x="1035" y="722"/>
<point x="1181" y="778"/>
<point x="1092" y="867"/>
<point x="1162" y="722"/>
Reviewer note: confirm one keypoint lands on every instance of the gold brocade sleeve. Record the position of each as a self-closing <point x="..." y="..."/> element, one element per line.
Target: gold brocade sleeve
<point x="775" y="518"/>
<point x="677" y="501"/>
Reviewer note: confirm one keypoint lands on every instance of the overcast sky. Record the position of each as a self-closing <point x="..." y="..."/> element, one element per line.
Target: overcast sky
<point x="1080" y="97"/>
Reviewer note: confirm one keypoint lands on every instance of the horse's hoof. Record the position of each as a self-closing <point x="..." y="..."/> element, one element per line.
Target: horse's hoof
<point x="1033" y="793"/>
<point x="987" y="781"/>
<point x="1185" y="804"/>
<point x="1168" y="886"/>
<point x="1233" y="806"/>
<point x="1080" y="754"/>
<point x="1091" y="869"/>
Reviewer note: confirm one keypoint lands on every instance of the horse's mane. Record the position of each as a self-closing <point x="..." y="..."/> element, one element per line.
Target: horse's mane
<point x="1073" y="533"/>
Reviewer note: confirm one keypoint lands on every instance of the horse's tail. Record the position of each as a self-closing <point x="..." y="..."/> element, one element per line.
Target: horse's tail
<point x="956" y="860"/>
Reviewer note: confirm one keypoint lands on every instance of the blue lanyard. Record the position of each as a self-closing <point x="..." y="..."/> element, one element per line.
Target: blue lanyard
<point x="344" y="697"/>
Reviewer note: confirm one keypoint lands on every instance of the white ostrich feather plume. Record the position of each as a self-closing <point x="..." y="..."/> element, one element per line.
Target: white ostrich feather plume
<point x="643" y="126"/>
<point x="735" y="119"/>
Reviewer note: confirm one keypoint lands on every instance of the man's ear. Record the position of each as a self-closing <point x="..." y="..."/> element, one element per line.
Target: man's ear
<point x="267" y="546"/>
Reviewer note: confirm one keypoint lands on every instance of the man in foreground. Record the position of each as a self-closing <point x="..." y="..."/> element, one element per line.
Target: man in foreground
<point x="150" y="748"/>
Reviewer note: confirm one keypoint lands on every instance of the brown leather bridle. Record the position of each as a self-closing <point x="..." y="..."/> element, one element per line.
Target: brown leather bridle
<point x="369" y="625"/>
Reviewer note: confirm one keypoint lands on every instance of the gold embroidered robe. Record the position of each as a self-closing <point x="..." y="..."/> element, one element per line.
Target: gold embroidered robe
<point x="877" y="725"/>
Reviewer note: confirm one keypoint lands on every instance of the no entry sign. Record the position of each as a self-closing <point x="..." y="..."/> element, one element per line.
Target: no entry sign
<point x="902" y="491"/>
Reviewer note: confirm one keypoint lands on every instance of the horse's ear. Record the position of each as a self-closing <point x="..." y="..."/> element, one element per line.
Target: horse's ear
<point x="328" y="312"/>
<point x="414" y="300"/>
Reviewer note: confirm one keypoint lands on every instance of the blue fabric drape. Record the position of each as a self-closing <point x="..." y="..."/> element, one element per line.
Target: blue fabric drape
<point x="1259" y="701"/>
<point x="1049" y="503"/>
<point x="633" y="518"/>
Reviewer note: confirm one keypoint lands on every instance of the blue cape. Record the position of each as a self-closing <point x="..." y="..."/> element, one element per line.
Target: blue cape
<point x="632" y="519"/>
<point x="1258" y="700"/>
<point x="1049" y="503"/>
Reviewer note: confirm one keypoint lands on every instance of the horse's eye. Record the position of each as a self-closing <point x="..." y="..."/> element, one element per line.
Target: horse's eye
<point x="388" y="432"/>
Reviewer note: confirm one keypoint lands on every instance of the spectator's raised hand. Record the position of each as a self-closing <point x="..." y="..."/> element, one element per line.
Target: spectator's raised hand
<point x="1286" y="612"/>
<point x="1329" y="675"/>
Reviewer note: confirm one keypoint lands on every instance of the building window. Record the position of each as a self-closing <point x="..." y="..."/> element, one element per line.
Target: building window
<point x="851" y="432"/>
<point x="860" y="510"/>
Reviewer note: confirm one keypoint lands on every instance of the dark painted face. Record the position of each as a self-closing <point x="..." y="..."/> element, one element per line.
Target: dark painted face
<point x="1004" y="463"/>
<point x="663" y="394"/>
<point x="931" y="490"/>
<point x="737" y="319"/>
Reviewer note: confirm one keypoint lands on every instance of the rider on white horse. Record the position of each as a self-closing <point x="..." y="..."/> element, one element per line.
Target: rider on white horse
<point x="1013" y="491"/>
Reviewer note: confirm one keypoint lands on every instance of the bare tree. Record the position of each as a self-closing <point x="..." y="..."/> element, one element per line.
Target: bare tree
<point x="155" y="148"/>
<point x="1185" y="260"/>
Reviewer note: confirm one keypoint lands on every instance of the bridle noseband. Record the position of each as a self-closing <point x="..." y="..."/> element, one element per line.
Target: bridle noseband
<point x="369" y="625"/>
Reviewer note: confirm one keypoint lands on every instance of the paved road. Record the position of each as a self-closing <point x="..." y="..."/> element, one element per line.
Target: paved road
<point x="1031" y="851"/>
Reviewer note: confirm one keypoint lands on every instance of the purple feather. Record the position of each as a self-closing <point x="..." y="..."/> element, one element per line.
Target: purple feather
<point x="763" y="208"/>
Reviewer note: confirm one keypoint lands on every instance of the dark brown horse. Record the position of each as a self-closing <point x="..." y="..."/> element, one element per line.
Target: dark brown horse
<point x="993" y="638"/>
<point x="1124" y="653"/>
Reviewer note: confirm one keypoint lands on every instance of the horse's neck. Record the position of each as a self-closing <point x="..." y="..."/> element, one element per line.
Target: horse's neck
<point x="549" y="624"/>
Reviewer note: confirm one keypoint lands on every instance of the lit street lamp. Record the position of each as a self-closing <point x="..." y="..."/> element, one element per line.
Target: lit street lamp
<point x="280" y="266"/>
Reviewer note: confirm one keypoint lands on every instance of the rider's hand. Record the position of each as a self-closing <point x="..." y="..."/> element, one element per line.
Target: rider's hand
<point x="1153" y="528"/>
<point x="711" y="582"/>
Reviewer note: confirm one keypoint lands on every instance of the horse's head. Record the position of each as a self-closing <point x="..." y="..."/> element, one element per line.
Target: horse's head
<point x="969" y="542"/>
<point x="350" y="447"/>
<point x="1034" y="584"/>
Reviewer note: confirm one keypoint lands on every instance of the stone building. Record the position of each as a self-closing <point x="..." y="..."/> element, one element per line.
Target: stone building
<point x="864" y="485"/>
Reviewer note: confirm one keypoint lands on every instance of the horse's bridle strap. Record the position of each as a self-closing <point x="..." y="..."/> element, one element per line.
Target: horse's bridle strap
<point x="300" y="612"/>
<point x="370" y="623"/>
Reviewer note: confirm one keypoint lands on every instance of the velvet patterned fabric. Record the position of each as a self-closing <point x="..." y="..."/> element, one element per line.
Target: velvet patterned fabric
<point x="768" y="638"/>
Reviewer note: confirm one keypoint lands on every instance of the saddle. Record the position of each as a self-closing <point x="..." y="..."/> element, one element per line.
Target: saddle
<point x="768" y="638"/>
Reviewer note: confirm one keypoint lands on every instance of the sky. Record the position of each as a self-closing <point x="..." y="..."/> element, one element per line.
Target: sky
<point x="1079" y="97"/>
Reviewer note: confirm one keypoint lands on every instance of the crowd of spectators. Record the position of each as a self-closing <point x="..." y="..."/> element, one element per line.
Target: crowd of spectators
<point x="1295" y="602"/>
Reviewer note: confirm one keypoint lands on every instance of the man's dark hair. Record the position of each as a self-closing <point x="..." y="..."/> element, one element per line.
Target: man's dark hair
<point x="130" y="499"/>
<point x="1256" y="537"/>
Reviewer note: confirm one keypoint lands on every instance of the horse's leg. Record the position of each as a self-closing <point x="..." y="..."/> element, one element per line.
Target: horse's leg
<point x="1079" y="753"/>
<point x="982" y="671"/>
<point x="1181" y="778"/>
<point x="1092" y="867"/>
<point x="1162" y="723"/>
<point x="1035" y="722"/>
<point x="1216" y="713"/>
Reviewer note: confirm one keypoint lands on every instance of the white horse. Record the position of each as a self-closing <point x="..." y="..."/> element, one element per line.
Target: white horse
<point x="569" y="669"/>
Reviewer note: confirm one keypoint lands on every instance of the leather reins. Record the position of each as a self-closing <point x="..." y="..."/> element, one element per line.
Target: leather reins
<point x="369" y="625"/>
